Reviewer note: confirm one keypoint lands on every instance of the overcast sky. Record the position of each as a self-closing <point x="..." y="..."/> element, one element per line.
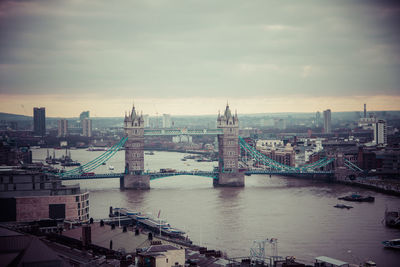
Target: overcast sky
<point x="190" y="57"/>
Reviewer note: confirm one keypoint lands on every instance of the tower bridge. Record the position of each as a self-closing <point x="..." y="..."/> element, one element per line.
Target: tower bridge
<point x="228" y="173"/>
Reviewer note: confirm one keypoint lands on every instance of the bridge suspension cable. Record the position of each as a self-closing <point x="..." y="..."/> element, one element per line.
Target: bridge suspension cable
<point x="96" y="162"/>
<point x="280" y="166"/>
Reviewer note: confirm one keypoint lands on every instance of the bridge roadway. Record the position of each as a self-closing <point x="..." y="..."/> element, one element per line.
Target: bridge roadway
<point x="209" y="174"/>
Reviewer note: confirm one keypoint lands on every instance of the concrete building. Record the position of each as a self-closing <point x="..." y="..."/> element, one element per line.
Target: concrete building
<point x="166" y="122"/>
<point x="380" y="133"/>
<point x="161" y="256"/>
<point x="32" y="194"/>
<point x="87" y="127"/>
<point x="327" y="121"/>
<point x="39" y="121"/>
<point x="62" y="127"/>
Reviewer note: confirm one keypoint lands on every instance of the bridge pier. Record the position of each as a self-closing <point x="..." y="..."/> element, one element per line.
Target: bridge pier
<point x="134" y="181"/>
<point x="235" y="179"/>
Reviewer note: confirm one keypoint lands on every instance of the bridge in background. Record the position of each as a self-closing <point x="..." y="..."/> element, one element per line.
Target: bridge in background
<point x="231" y="147"/>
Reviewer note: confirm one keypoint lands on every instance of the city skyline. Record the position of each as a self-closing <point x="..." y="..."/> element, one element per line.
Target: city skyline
<point x="188" y="58"/>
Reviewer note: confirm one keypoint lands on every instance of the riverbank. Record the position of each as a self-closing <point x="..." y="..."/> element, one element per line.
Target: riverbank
<point x="391" y="187"/>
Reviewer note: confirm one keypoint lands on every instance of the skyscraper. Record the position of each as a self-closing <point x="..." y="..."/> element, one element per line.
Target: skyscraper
<point x="84" y="115"/>
<point x="380" y="135"/>
<point x="87" y="127"/>
<point x="327" y="121"/>
<point x="39" y="121"/>
<point x="62" y="127"/>
<point x="317" y="119"/>
<point x="166" y="123"/>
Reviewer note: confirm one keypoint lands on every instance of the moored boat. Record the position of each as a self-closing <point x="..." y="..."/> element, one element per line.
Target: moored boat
<point x="393" y="243"/>
<point x="357" y="198"/>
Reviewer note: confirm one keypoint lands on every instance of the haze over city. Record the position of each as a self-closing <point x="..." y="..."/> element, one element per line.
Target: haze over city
<point x="190" y="57"/>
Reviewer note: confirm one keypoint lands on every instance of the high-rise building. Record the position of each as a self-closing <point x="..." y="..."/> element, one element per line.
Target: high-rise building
<point x="62" y="127"/>
<point x="166" y="123"/>
<point x="84" y="115"/>
<point x="146" y="119"/>
<point x="39" y="121"/>
<point x="365" y="110"/>
<point x="327" y="121"/>
<point x="317" y="119"/>
<point x="87" y="127"/>
<point x="380" y="135"/>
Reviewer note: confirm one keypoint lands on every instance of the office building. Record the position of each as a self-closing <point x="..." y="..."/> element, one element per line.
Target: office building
<point x="84" y="115"/>
<point x="39" y="121"/>
<point x="327" y="121"/>
<point x="32" y="194"/>
<point x="380" y="134"/>
<point x="87" y="127"/>
<point x="166" y="123"/>
<point x="317" y="119"/>
<point x="62" y="127"/>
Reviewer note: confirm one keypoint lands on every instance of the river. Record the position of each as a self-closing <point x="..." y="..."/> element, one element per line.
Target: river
<point x="298" y="212"/>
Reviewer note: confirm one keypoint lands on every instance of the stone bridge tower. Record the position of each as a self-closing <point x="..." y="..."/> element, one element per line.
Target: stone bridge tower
<point x="229" y="151"/>
<point x="134" y="153"/>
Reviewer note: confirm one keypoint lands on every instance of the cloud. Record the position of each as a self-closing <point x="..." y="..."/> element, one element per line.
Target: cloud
<point x="199" y="49"/>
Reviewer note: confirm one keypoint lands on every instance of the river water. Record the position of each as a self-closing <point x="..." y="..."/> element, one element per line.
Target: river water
<point x="298" y="212"/>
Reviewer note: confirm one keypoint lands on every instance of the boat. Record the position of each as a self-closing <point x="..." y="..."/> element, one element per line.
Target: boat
<point x="149" y="153"/>
<point x="392" y="218"/>
<point x="393" y="243"/>
<point x="357" y="198"/>
<point x="70" y="163"/>
<point x="111" y="168"/>
<point x="342" y="206"/>
<point x="168" y="170"/>
<point x="141" y="217"/>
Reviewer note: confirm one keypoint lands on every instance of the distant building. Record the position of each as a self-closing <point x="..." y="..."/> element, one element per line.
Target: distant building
<point x="146" y="119"/>
<point x="166" y="123"/>
<point x="62" y="127"/>
<point x="317" y="119"/>
<point x="280" y="124"/>
<point x="380" y="134"/>
<point x="84" y="115"/>
<point x="87" y="127"/>
<point x="327" y="121"/>
<point x="182" y="139"/>
<point x="39" y="121"/>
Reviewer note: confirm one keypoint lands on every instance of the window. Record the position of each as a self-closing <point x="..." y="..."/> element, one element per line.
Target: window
<point x="77" y="199"/>
<point x="79" y="205"/>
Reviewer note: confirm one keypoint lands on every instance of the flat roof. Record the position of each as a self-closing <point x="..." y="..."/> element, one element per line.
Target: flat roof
<point x="331" y="261"/>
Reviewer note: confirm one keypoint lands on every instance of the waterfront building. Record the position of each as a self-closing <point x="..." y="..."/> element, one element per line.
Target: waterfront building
<point x="62" y="127"/>
<point x="280" y="153"/>
<point x="380" y="133"/>
<point x="327" y="121"/>
<point x="166" y="121"/>
<point x="87" y="127"/>
<point x="39" y="121"/>
<point x="32" y="194"/>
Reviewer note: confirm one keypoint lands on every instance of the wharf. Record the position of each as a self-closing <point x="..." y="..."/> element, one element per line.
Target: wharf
<point x="157" y="226"/>
<point x="391" y="187"/>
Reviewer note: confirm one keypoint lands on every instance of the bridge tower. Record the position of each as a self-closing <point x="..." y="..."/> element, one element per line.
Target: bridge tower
<point x="134" y="153"/>
<point x="229" y="151"/>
